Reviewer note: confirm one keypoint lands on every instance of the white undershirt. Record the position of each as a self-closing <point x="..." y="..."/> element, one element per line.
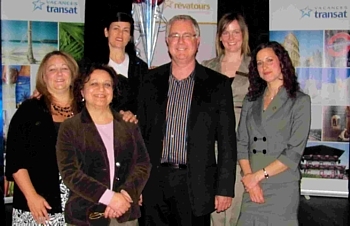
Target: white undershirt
<point x="120" y="68"/>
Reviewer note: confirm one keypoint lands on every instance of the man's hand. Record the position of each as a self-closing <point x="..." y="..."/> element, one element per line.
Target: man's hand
<point x="222" y="203"/>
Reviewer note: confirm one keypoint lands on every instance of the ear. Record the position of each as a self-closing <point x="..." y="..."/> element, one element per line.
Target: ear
<point x="106" y="32"/>
<point x="82" y="93"/>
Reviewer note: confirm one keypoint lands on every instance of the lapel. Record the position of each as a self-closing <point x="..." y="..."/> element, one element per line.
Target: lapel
<point x="131" y="68"/>
<point x="94" y="140"/>
<point x="118" y="131"/>
<point x="200" y="94"/>
<point x="257" y="111"/>
<point x="161" y="87"/>
<point x="244" y="67"/>
<point x="276" y="103"/>
<point x="216" y="64"/>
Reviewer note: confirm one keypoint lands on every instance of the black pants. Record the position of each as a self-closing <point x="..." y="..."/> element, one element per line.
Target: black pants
<point x="174" y="209"/>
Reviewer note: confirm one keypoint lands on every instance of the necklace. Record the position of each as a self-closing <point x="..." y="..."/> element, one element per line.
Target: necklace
<point x="271" y="98"/>
<point x="66" y="112"/>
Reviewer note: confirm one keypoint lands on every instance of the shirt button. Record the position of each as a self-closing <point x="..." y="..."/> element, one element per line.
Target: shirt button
<point x="117" y="164"/>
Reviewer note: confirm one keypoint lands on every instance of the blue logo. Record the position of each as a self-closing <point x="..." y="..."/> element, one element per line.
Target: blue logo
<point x="38" y="4"/>
<point x="65" y="7"/>
<point x="305" y="12"/>
<point x="325" y="12"/>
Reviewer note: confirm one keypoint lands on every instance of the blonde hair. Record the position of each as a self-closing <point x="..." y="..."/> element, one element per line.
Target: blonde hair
<point x="41" y="86"/>
<point x="223" y="23"/>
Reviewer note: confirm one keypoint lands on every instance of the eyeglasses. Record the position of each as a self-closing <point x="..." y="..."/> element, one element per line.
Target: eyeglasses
<point x="186" y="37"/>
<point x="95" y="215"/>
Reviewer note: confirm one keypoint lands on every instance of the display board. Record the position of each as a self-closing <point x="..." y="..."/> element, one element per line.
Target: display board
<point x="317" y="36"/>
<point x="28" y="33"/>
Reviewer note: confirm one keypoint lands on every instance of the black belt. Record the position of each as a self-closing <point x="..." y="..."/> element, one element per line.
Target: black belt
<point x="173" y="165"/>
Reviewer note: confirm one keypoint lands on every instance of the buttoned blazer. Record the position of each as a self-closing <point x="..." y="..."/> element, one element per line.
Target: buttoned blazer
<point x="210" y="117"/>
<point x="281" y="132"/>
<point x="84" y="166"/>
<point x="240" y="83"/>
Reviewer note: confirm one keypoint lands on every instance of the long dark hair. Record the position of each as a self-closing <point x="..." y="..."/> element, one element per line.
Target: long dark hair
<point x="258" y="85"/>
<point x="122" y="17"/>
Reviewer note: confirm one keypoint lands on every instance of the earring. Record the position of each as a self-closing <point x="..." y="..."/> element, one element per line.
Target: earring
<point x="82" y="100"/>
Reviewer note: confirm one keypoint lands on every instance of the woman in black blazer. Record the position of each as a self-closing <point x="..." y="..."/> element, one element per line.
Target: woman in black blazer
<point x="39" y="194"/>
<point x="119" y="30"/>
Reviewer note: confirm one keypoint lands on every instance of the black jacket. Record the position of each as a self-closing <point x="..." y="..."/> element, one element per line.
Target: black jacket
<point x="31" y="145"/>
<point x="128" y="87"/>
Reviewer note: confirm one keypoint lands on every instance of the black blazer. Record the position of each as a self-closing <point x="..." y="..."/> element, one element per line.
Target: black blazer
<point x="83" y="163"/>
<point x="127" y="92"/>
<point x="30" y="145"/>
<point x="211" y="117"/>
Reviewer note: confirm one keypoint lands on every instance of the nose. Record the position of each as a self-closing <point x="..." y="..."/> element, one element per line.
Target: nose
<point x="101" y="87"/>
<point x="181" y="39"/>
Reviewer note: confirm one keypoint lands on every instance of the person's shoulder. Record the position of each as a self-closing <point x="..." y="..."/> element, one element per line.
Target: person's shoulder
<point x="210" y="62"/>
<point x="32" y="105"/>
<point x="71" y="123"/>
<point x="159" y="71"/>
<point x="212" y="74"/>
<point x="139" y="61"/>
<point x="302" y="97"/>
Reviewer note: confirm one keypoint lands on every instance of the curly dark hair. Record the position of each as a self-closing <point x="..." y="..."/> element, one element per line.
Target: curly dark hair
<point x="258" y="85"/>
<point x="86" y="68"/>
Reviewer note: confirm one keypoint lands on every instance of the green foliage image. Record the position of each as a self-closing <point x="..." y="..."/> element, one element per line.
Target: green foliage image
<point x="71" y="39"/>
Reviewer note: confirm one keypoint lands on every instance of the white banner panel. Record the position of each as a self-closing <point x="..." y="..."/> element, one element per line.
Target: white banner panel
<point x="309" y="14"/>
<point x="44" y="10"/>
<point x="316" y="35"/>
<point x="205" y="11"/>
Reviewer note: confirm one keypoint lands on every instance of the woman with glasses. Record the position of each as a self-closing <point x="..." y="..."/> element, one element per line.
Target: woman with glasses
<point x="102" y="159"/>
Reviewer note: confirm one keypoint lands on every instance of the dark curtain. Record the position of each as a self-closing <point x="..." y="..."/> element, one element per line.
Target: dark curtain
<point x="95" y="44"/>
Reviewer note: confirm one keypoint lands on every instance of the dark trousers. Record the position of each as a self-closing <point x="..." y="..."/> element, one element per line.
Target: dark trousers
<point x="173" y="207"/>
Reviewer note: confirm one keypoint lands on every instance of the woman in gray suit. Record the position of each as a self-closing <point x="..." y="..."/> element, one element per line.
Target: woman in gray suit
<point x="232" y="47"/>
<point x="272" y="135"/>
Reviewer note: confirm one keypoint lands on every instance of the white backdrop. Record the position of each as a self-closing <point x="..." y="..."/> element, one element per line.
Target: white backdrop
<point x="317" y="37"/>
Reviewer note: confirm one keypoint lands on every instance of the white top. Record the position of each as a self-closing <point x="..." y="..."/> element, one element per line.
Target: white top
<point x="122" y="68"/>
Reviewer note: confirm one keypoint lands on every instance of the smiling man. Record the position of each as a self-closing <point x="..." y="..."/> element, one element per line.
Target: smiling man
<point x="185" y="107"/>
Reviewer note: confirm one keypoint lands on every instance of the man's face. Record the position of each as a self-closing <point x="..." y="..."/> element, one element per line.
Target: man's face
<point x="182" y="41"/>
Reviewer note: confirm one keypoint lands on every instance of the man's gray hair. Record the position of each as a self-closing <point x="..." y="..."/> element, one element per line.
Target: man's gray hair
<point x="182" y="17"/>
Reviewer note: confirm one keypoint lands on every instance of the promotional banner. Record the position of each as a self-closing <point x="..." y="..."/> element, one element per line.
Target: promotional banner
<point x="28" y="33"/>
<point x="204" y="11"/>
<point x="317" y="36"/>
